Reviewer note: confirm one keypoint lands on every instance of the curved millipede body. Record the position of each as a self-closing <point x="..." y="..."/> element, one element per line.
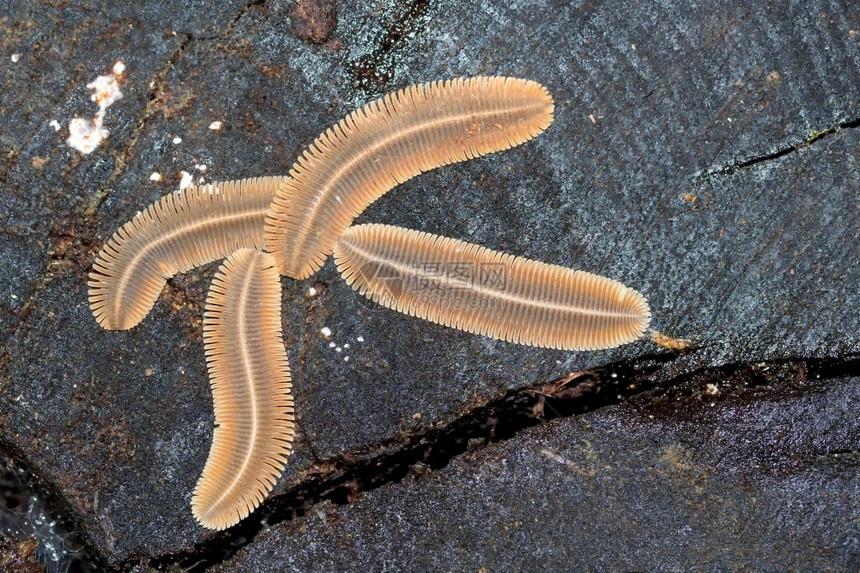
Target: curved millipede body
<point x="388" y="142"/>
<point x="250" y="380"/>
<point x="180" y="231"/>
<point x="473" y="288"/>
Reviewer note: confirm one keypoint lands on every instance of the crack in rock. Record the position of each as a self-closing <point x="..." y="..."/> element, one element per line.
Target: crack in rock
<point x="734" y="167"/>
<point x="372" y="71"/>
<point x="647" y="380"/>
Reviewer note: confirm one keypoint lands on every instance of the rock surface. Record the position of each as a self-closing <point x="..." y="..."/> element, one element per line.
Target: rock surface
<point x="705" y="155"/>
<point x="752" y="481"/>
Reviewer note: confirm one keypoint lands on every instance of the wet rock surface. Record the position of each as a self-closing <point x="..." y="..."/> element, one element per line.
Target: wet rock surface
<point x="705" y="155"/>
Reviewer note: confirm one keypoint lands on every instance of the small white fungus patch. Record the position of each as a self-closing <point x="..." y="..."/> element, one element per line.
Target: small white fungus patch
<point x="86" y="135"/>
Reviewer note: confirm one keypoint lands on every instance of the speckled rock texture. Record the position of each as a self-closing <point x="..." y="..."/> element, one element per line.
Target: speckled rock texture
<point x="705" y="154"/>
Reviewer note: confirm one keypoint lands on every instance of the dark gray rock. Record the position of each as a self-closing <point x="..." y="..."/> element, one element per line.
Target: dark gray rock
<point x="677" y="164"/>
<point x="58" y="50"/>
<point x="753" y="481"/>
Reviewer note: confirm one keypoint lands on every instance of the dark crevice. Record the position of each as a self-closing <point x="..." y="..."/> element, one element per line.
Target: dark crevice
<point x="236" y="19"/>
<point x="842" y="453"/>
<point x="231" y="26"/>
<point x="372" y="71"/>
<point x="32" y="512"/>
<point x="732" y="168"/>
<point x="644" y="380"/>
<point x="790" y="376"/>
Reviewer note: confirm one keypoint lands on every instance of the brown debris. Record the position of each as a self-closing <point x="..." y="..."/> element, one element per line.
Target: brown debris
<point x="314" y="21"/>
<point x="677" y="344"/>
<point x="18" y="555"/>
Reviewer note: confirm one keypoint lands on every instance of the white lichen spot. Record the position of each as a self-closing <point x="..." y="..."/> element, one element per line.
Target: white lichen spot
<point x="156" y="176"/>
<point x="216" y="126"/>
<point x="312" y="291"/>
<point x="331" y="344"/>
<point x="346" y="345"/>
<point x="346" y="358"/>
<point x="360" y="339"/>
<point x="177" y="140"/>
<point x="338" y="349"/>
<point x="86" y="135"/>
<point x="187" y="179"/>
<point x="15" y="58"/>
<point x="55" y="124"/>
<point x="326" y="331"/>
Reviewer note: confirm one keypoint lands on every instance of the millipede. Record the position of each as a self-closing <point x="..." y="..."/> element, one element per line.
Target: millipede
<point x="472" y="288"/>
<point x="180" y="231"/>
<point x="250" y="379"/>
<point x="387" y="142"/>
<point x="290" y="225"/>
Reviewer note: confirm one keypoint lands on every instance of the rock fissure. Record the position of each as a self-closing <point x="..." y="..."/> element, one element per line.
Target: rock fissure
<point x="734" y="167"/>
<point x="372" y="71"/>
<point x="645" y="380"/>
